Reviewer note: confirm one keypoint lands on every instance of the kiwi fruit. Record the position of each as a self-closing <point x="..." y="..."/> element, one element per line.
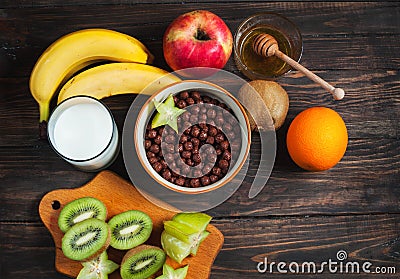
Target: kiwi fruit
<point x="130" y="229"/>
<point x="80" y="210"/>
<point x="142" y="262"/>
<point x="86" y="240"/>
<point x="274" y="98"/>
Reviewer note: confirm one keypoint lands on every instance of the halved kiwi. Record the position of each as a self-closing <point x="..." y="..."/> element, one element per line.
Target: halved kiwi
<point x="130" y="229"/>
<point x="142" y="262"/>
<point x="80" y="210"/>
<point x="86" y="240"/>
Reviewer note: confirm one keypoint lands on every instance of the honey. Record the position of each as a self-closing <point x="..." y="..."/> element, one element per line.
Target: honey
<point x="265" y="66"/>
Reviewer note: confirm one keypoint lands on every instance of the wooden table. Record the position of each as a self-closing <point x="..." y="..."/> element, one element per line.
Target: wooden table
<point x="299" y="216"/>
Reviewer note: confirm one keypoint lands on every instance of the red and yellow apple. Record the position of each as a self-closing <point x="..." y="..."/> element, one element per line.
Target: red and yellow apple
<point x="197" y="39"/>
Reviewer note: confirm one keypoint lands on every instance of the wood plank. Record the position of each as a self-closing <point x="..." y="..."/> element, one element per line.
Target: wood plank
<point x="365" y="181"/>
<point x="357" y="184"/>
<point x="329" y="15"/>
<point x="28" y="249"/>
<point x="27" y="32"/>
<point x="329" y="18"/>
<point x="60" y="3"/>
<point x="364" y="238"/>
<point x="371" y="107"/>
<point x="319" y="54"/>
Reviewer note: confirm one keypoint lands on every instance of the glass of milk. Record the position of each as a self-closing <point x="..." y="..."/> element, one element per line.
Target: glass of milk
<point x="83" y="132"/>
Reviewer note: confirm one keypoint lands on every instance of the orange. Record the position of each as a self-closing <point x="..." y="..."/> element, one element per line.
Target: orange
<point x="317" y="139"/>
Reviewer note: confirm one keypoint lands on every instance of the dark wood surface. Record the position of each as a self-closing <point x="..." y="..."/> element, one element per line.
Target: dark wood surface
<point x="299" y="216"/>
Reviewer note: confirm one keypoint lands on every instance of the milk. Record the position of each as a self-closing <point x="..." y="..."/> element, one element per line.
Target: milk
<point x="83" y="132"/>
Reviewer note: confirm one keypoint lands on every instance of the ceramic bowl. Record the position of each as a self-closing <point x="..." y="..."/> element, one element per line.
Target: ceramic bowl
<point x="211" y="90"/>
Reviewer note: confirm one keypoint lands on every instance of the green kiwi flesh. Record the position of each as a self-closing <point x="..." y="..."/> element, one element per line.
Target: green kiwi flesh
<point x="86" y="240"/>
<point x="130" y="229"/>
<point x="142" y="262"/>
<point x="80" y="210"/>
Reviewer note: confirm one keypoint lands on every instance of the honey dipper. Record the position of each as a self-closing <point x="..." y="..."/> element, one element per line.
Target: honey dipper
<point x="266" y="45"/>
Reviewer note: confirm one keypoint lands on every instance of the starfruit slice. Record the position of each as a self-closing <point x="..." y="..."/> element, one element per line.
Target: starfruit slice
<point x="170" y="273"/>
<point x="98" y="268"/>
<point x="197" y="220"/>
<point x="174" y="248"/>
<point x="183" y="232"/>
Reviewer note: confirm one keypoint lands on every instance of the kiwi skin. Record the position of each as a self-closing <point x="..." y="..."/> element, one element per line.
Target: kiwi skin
<point x="79" y="210"/>
<point x="274" y="98"/>
<point x="91" y="256"/>
<point x="137" y="251"/>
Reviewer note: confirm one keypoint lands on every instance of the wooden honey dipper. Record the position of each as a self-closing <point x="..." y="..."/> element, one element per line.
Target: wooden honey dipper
<point x="266" y="45"/>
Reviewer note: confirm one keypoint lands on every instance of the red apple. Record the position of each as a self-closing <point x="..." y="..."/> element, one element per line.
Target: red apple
<point x="197" y="39"/>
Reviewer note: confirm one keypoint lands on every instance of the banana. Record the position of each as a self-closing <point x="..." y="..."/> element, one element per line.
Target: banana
<point x="75" y="51"/>
<point x="117" y="78"/>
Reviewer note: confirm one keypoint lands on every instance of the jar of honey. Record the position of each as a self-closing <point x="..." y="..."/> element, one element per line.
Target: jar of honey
<point x="255" y="66"/>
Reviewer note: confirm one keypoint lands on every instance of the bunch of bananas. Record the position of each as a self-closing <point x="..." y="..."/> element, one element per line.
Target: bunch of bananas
<point x="80" y="49"/>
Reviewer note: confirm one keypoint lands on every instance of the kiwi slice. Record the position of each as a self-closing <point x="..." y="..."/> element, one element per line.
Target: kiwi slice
<point x="86" y="240"/>
<point x="98" y="268"/>
<point x="142" y="262"/>
<point x="79" y="210"/>
<point x="197" y="220"/>
<point x="130" y="229"/>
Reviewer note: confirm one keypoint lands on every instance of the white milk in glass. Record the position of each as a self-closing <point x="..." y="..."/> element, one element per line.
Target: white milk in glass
<point x="83" y="132"/>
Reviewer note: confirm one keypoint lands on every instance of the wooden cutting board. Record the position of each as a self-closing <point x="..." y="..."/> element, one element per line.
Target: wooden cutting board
<point x="119" y="195"/>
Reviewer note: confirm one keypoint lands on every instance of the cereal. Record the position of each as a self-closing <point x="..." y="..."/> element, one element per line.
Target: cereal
<point x="217" y="159"/>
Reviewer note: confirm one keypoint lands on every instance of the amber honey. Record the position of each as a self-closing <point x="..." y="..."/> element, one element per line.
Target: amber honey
<point x="265" y="66"/>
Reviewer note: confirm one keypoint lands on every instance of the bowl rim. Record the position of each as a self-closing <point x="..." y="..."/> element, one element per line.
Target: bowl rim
<point x="236" y="51"/>
<point x="181" y="189"/>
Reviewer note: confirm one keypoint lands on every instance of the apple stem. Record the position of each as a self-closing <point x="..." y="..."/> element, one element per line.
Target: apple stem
<point x="202" y="35"/>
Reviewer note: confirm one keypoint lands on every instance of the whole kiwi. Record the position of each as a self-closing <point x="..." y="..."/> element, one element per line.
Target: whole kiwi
<point x="274" y="97"/>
